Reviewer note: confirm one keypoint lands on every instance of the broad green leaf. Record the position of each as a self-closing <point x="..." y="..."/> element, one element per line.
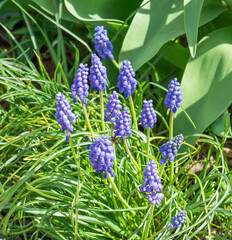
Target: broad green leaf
<point x="2" y="3"/>
<point x="206" y="84"/>
<point x="221" y="125"/>
<point x="228" y="2"/>
<point x="157" y="23"/>
<point x="9" y="5"/>
<point x="51" y="8"/>
<point x="176" y="50"/>
<point x="104" y="10"/>
<point x="224" y="20"/>
<point x="192" y="13"/>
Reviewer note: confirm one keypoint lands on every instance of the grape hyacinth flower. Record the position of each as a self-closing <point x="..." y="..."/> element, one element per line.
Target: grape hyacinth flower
<point x="178" y="219"/>
<point x="153" y="184"/>
<point x="97" y="74"/>
<point x="102" y="43"/>
<point x="123" y="124"/>
<point x="170" y="148"/>
<point x="113" y="108"/>
<point x="63" y="112"/>
<point x="126" y="81"/>
<point x="102" y="156"/>
<point x="174" y="96"/>
<point x="148" y="115"/>
<point x="80" y="86"/>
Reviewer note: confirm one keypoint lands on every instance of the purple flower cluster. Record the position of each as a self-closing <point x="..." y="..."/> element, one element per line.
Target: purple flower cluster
<point x="123" y="124"/>
<point x="113" y="108"/>
<point x="178" y="219"/>
<point x="148" y="115"/>
<point x="174" y="96"/>
<point x="102" y="156"/>
<point x="126" y="81"/>
<point x="97" y="74"/>
<point x="153" y="184"/>
<point x="102" y="43"/>
<point x="170" y="148"/>
<point x="80" y="86"/>
<point x="63" y="112"/>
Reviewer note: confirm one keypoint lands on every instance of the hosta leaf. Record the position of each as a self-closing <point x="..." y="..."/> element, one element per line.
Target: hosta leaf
<point x="157" y="23"/>
<point x="206" y="84"/>
<point x="228" y="2"/>
<point x="104" y="10"/>
<point x="221" y="126"/>
<point x="192" y="13"/>
<point x="52" y="8"/>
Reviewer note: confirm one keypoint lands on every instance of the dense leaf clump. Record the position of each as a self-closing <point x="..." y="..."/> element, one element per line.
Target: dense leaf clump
<point x="119" y="150"/>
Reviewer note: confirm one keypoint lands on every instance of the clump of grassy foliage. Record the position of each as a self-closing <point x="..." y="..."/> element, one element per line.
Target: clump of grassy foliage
<point x="46" y="193"/>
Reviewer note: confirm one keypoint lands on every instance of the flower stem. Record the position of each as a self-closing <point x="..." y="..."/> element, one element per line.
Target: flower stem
<point x="171" y="126"/>
<point x="102" y="110"/>
<point x="73" y="150"/>
<point x="130" y="155"/>
<point x="116" y="191"/>
<point x="77" y="199"/>
<point x="133" y="112"/>
<point x="87" y="119"/>
<point x="112" y="130"/>
<point x="145" y="233"/>
<point x="148" y="142"/>
<point x="115" y="64"/>
<point x="112" y="137"/>
<point x="170" y="137"/>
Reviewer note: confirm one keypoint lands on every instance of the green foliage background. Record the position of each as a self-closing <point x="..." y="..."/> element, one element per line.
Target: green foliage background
<point x="43" y="192"/>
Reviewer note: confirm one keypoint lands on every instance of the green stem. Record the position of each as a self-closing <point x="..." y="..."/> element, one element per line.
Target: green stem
<point x="77" y="161"/>
<point x="112" y="137"/>
<point x="162" y="170"/>
<point x="170" y="137"/>
<point x="102" y="110"/>
<point x="73" y="150"/>
<point x="171" y="125"/>
<point x="116" y="191"/>
<point x="133" y="112"/>
<point x="112" y="130"/>
<point x="125" y="175"/>
<point x="87" y="119"/>
<point x="115" y="64"/>
<point x="77" y="202"/>
<point x="145" y="233"/>
<point x="130" y="155"/>
<point x="148" y="142"/>
<point x="156" y="234"/>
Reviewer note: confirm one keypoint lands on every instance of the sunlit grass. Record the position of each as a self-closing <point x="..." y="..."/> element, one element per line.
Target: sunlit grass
<point x="44" y="192"/>
<point x="39" y="177"/>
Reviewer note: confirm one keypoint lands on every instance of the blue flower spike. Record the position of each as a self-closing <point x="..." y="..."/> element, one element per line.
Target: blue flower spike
<point x="153" y="184"/>
<point x="178" y="219"/>
<point x="113" y="108"/>
<point x="102" y="43"/>
<point x="102" y="156"/>
<point x="126" y="81"/>
<point x="148" y="115"/>
<point x="64" y="113"/>
<point x="170" y="148"/>
<point x="97" y="74"/>
<point x="80" y="87"/>
<point x="123" y="124"/>
<point x="174" y="96"/>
